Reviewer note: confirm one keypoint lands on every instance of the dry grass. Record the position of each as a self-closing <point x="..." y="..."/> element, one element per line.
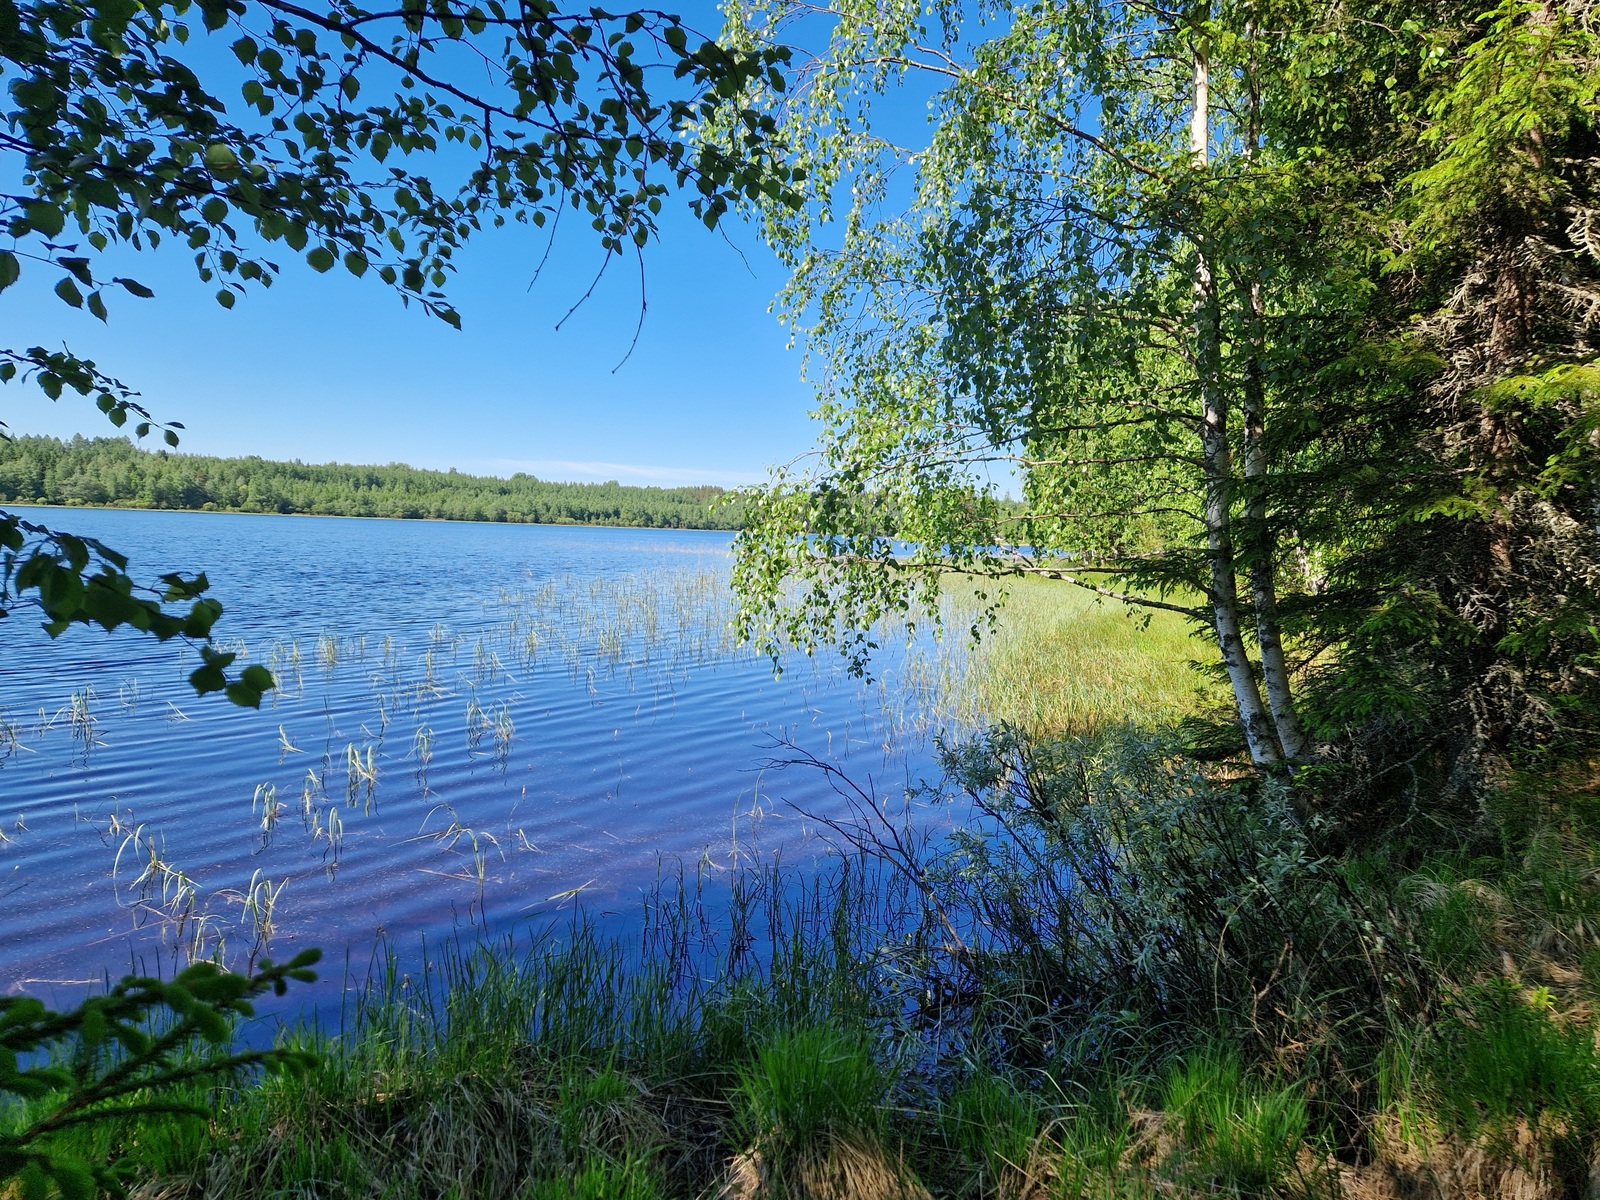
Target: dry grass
<point x="829" y="1168"/>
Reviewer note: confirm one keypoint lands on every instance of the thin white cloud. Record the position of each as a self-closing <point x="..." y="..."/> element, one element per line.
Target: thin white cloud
<point x="587" y="471"/>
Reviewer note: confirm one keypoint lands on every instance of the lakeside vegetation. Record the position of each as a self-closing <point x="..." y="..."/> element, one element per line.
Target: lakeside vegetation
<point x="1130" y="971"/>
<point x="112" y="471"/>
<point x="1269" y="1020"/>
<point x="1065" y="661"/>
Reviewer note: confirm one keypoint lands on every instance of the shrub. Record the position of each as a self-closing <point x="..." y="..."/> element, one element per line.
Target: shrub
<point x="1115" y="897"/>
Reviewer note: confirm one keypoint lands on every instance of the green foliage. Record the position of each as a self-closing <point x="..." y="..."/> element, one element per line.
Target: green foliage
<point x="1504" y="1054"/>
<point x="1119" y="901"/>
<point x="122" y="1057"/>
<point x="112" y="471"/>
<point x="82" y="581"/>
<point x="1240" y="1136"/>
<point x="126" y="135"/>
<point x="233" y="126"/>
<point x="1327" y="368"/>
<point x="1523" y="86"/>
<point x="988" y="305"/>
<point x="820" y="1031"/>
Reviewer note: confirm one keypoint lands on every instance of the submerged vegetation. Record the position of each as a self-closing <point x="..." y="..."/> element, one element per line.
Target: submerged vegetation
<point x="114" y="471"/>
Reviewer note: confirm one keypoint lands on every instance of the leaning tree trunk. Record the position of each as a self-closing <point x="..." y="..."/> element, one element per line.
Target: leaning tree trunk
<point x="1217" y="459"/>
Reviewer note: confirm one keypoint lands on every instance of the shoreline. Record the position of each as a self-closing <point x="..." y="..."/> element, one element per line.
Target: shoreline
<point x="8" y="505"/>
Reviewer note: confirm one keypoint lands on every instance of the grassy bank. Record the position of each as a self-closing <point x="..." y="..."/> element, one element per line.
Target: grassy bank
<point x="1063" y="660"/>
<point x="1124" y="980"/>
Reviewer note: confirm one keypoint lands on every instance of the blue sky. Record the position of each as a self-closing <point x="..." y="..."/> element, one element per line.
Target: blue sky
<point x="329" y="368"/>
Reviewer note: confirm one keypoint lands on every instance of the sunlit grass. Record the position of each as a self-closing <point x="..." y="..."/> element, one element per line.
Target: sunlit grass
<point x="1063" y="660"/>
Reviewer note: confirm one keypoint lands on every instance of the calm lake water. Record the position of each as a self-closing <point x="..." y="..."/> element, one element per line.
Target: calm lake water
<point x="477" y="728"/>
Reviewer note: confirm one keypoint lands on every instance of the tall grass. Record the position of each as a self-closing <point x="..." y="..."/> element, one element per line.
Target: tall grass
<point x="575" y="1064"/>
<point x="1064" y="661"/>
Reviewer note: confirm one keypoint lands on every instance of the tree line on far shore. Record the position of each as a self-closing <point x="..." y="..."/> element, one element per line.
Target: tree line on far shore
<point x="114" y="471"/>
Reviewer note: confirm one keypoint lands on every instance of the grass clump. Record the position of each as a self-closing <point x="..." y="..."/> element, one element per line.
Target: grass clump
<point x="1235" y="1135"/>
<point x="809" y="1111"/>
<point x="1504" y="1054"/>
<point x="807" y="1085"/>
<point x="993" y="1130"/>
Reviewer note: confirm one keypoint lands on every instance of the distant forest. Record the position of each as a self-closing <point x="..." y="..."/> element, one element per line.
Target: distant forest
<point x="113" y="471"/>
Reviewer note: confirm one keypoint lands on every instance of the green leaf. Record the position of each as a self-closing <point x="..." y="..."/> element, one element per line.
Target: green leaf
<point x="10" y="269"/>
<point x="207" y="679"/>
<point x="241" y="694"/>
<point x="257" y="677"/>
<point x="48" y="219"/>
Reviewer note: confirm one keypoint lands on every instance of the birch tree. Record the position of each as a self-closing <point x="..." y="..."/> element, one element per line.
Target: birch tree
<point x="1075" y="272"/>
<point x="1282" y="316"/>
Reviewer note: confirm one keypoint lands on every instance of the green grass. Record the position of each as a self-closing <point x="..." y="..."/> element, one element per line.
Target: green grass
<point x="1238" y="1136"/>
<point x="1064" y="660"/>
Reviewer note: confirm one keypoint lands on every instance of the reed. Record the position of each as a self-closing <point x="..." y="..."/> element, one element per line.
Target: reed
<point x="361" y="776"/>
<point x="266" y="800"/>
<point x="82" y="720"/>
<point x="258" y="903"/>
<point x="422" y="750"/>
<point x="504" y="729"/>
<point x="10" y="736"/>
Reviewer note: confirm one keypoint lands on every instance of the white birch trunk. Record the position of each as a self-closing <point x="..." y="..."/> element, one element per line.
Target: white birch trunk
<point x="1217" y="458"/>
<point x="1261" y="548"/>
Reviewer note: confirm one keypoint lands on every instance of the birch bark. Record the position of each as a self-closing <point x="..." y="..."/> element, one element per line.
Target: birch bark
<point x="1217" y="458"/>
<point x="1261" y="550"/>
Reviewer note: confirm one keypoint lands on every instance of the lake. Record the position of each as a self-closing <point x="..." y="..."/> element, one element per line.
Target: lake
<point x="478" y="729"/>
